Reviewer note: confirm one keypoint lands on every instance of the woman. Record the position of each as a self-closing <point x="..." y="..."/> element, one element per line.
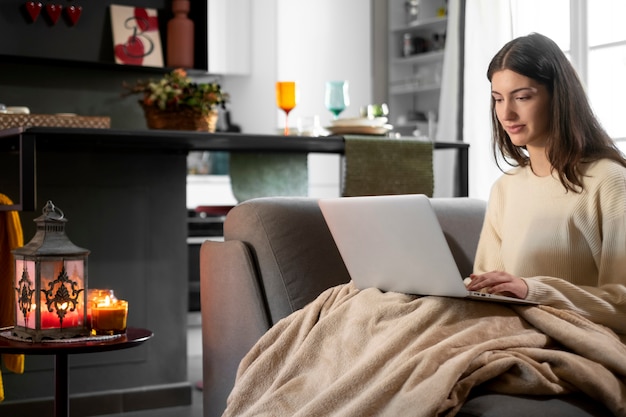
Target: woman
<point x="555" y="229"/>
<point x="554" y="233"/>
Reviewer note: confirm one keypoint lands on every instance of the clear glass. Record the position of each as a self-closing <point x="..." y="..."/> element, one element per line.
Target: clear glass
<point x="286" y="99"/>
<point x="106" y="313"/>
<point x="111" y="319"/>
<point x="101" y="296"/>
<point x="309" y="126"/>
<point x="337" y="98"/>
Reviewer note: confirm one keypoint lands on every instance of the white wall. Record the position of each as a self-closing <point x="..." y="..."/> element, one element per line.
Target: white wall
<point x="307" y="41"/>
<point x="252" y="103"/>
<point x="318" y="41"/>
<point x="310" y="42"/>
<point x="325" y="40"/>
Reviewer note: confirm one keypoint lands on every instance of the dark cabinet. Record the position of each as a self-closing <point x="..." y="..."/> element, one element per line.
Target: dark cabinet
<point x="88" y="42"/>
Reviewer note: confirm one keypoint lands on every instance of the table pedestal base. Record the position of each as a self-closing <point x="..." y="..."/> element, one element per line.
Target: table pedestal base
<point x="61" y="386"/>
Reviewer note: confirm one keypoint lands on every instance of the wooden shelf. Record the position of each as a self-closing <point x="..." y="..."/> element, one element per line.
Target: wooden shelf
<point x="401" y="89"/>
<point x="420" y="59"/>
<point x="88" y="43"/>
<point x="414" y="81"/>
<point x="430" y="23"/>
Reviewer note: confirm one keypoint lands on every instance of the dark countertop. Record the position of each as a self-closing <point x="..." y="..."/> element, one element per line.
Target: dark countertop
<point x="27" y="141"/>
<point x="175" y="140"/>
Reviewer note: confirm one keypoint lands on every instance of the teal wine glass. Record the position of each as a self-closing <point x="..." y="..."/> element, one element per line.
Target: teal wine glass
<point x="337" y="97"/>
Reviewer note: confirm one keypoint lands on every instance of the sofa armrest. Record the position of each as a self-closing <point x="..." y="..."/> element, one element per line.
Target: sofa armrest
<point x="233" y="317"/>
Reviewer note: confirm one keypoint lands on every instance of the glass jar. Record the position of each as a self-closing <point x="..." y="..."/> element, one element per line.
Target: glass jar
<point x="412" y="11"/>
<point x="107" y="314"/>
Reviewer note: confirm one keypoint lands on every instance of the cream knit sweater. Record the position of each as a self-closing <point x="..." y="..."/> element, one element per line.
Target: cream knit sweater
<point x="569" y="247"/>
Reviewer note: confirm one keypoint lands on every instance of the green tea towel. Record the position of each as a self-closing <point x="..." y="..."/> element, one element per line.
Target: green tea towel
<point x="255" y="175"/>
<point x="382" y="166"/>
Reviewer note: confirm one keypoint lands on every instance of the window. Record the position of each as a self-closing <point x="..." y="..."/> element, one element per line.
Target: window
<point x="593" y="35"/>
<point x="607" y="63"/>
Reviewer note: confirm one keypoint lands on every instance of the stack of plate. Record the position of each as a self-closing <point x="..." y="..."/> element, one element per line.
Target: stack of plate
<point x="360" y="126"/>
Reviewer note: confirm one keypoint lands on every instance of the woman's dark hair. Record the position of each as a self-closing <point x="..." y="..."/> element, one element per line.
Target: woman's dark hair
<point x="576" y="136"/>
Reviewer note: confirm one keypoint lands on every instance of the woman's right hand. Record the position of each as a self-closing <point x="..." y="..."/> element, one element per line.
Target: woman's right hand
<point x="499" y="282"/>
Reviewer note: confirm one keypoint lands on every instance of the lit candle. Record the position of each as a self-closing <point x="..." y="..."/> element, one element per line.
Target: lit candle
<point x="49" y="319"/>
<point x="99" y="297"/>
<point x="109" y="316"/>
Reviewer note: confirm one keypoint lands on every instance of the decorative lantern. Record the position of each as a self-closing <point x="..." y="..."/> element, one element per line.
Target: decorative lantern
<point x="50" y="282"/>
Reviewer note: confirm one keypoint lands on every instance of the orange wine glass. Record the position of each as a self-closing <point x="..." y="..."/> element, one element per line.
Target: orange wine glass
<point x="286" y="99"/>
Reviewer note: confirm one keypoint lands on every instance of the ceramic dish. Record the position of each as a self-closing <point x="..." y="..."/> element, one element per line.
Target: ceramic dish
<point x="359" y="130"/>
<point x="360" y="121"/>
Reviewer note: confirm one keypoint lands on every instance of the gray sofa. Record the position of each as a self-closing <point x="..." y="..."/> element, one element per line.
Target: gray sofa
<point x="278" y="255"/>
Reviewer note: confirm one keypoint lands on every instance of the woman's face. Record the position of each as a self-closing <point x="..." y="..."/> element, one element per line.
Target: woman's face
<point x="522" y="106"/>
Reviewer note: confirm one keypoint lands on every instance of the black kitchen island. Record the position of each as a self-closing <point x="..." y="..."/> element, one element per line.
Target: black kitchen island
<point x="124" y="195"/>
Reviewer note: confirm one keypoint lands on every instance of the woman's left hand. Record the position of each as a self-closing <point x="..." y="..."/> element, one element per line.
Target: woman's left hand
<point x="499" y="282"/>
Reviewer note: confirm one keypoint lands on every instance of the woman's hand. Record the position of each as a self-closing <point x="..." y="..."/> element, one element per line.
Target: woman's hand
<point x="499" y="282"/>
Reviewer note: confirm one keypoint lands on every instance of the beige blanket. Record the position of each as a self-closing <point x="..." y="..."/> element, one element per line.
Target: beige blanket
<point x="366" y="353"/>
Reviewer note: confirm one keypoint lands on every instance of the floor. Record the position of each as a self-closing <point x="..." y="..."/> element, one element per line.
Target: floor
<point x="194" y="366"/>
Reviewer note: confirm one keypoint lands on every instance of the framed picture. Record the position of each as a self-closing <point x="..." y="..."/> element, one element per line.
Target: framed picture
<point x="136" y="37"/>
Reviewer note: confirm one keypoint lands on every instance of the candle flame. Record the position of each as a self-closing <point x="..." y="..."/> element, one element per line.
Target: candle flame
<point x="106" y="302"/>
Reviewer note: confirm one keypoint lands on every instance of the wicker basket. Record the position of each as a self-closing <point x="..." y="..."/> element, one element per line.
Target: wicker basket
<point x="183" y="119"/>
<point x="8" y="121"/>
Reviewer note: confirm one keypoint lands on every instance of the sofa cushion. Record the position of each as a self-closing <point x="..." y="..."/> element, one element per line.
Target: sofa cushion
<point x="498" y="405"/>
<point x="461" y="219"/>
<point x="297" y="256"/>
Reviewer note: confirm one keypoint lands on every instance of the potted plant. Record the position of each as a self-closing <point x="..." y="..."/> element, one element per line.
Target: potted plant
<point x="176" y="103"/>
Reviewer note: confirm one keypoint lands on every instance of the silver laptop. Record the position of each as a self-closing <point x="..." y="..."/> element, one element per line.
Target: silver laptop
<point x="395" y="243"/>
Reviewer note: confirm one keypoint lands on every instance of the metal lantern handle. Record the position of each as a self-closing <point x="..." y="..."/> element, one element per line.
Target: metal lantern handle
<point x="50" y="209"/>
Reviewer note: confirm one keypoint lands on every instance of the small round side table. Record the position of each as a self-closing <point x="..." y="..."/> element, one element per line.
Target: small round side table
<point x="61" y="350"/>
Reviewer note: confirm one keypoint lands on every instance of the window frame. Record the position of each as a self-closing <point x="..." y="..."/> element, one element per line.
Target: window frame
<point x="579" y="46"/>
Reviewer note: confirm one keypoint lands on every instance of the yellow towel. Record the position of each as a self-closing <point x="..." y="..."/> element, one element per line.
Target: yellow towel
<point x="377" y="165"/>
<point x="11" y="237"/>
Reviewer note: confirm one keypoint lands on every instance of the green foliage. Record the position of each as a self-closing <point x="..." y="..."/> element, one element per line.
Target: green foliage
<point x="176" y="90"/>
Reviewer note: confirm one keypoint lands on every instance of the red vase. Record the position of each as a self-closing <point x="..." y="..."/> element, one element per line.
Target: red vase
<point x="180" y="43"/>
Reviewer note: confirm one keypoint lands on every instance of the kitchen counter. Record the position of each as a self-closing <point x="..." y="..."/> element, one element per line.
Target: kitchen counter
<point x="163" y="141"/>
<point x="124" y="195"/>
